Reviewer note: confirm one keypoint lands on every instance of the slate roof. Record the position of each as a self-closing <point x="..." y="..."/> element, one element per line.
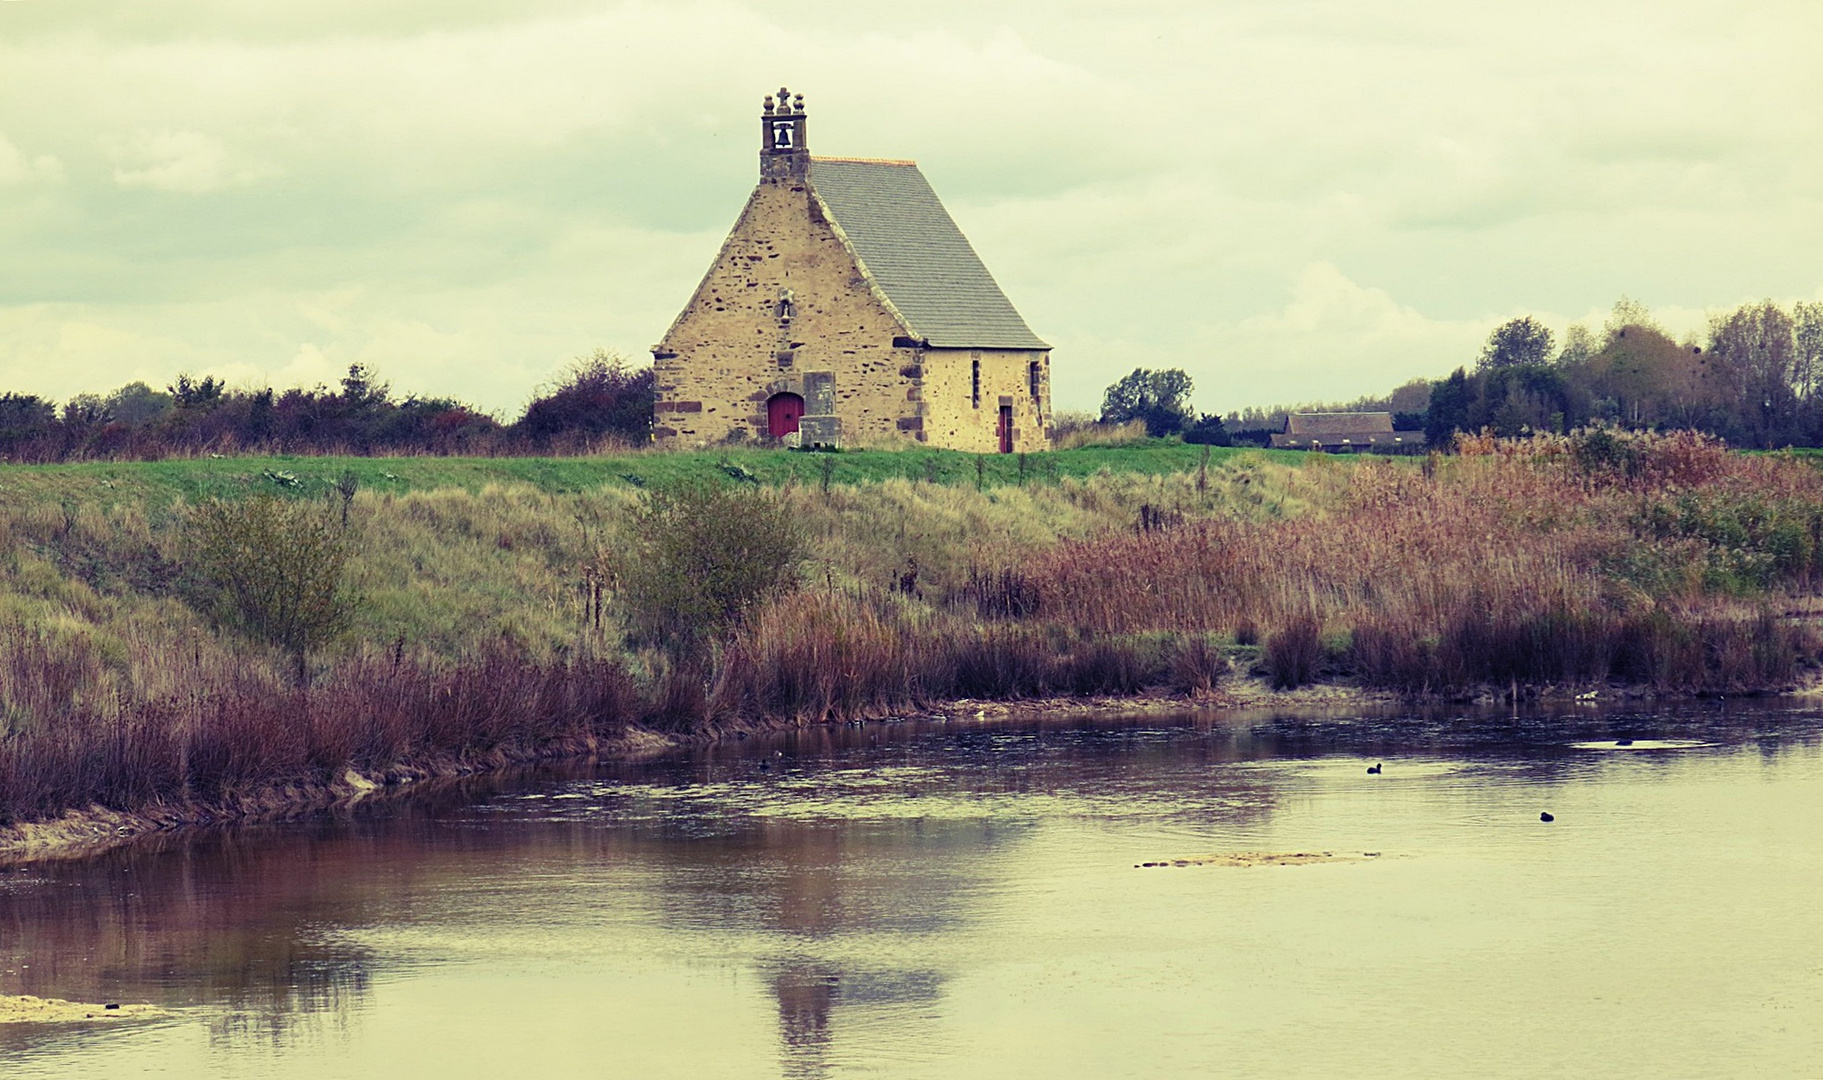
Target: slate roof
<point x="1339" y="423"/>
<point x="911" y="248"/>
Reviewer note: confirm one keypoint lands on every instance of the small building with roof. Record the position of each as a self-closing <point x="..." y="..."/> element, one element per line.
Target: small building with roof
<point x="846" y="308"/>
<point x="1347" y="432"/>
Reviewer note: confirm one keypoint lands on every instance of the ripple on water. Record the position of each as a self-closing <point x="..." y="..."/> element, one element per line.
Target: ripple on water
<point x="586" y="917"/>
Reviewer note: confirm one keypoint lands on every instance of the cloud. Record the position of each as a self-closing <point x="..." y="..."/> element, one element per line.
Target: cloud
<point x="186" y="162"/>
<point x="1330" y="340"/>
<point x="1309" y="200"/>
<point x="16" y="168"/>
<point x="1336" y="339"/>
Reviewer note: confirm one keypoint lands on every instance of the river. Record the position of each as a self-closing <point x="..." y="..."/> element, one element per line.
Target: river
<point x="924" y="899"/>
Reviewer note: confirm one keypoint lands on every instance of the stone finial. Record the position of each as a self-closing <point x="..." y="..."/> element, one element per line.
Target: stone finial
<point x="782" y="155"/>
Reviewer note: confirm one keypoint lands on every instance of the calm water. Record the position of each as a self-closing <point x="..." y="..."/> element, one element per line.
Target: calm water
<point x="919" y="900"/>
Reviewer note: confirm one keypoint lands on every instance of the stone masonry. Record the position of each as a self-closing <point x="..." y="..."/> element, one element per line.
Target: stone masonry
<point x="846" y="293"/>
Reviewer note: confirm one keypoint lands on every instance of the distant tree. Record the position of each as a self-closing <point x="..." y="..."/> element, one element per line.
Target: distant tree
<point x="1628" y="312"/>
<point x="1207" y="431"/>
<point x="1523" y="342"/>
<point x="1160" y="398"/>
<point x="1255" y="418"/>
<point x="136" y="403"/>
<point x="361" y="391"/>
<point x="25" y="419"/>
<point x="193" y="394"/>
<point x="1579" y="345"/>
<point x="1807" y="336"/>
<point x="258" y="426"/>
<point x="1527" y="399"/>
<point x="1642" y="378"/>
<point x="1412" y="397"/>
<point x="1448" y="411"/>
<point x="1754" y="351"/>
<point x="599" y="395"/>
<point x="86" y="410"/>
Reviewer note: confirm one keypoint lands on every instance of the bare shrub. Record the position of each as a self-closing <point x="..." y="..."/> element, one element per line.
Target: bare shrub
<point x="1001" y="594"/>
<point x="1197" y="665"/>
<point x="999" y="661"/>
<point x="1108" y="666"/>
<point x="1294" y="652"/>
<point x="600" y="397"/>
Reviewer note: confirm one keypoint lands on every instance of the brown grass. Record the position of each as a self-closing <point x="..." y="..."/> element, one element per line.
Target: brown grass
<point x="1074" y="432"/>
<point x="491" y="622"/>
<point x="1522" y="563"/>
<point x="233" y="734"/>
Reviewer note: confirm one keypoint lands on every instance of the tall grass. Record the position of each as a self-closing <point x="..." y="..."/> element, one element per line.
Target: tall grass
<point x="234" y="735"/>
<point x="493" y="622"/>
<point x="1524" y="563"/>
<point x="1074" y="432"/>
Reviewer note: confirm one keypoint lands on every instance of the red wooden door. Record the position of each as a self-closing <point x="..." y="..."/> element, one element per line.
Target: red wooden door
<point x="1006" y="429"/>
<point x="782" y="412"/>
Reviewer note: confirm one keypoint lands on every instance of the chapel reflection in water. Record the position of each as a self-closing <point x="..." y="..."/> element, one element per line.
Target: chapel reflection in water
<point x="268" y="927"/>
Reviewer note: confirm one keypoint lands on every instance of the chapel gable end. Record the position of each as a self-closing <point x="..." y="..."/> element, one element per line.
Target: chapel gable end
<point x="842" y="290"/>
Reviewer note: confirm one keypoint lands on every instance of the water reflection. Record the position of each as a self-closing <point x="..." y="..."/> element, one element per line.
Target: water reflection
<point x="806" y="993"/>
<point x="862" y="880"/>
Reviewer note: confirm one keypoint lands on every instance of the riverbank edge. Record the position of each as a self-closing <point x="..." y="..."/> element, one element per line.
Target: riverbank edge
<point x="86" y="833"/>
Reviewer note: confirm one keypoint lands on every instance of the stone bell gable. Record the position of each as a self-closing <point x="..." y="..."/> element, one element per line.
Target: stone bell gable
<point x="846" y="308"/>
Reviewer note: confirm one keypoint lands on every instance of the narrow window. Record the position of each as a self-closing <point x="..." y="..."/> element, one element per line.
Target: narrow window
<point x="976" y="392"/>
<point x="1032" y="377"/>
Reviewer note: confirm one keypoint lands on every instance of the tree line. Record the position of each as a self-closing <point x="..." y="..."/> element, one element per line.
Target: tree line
<point x="1754" y="377"/>
<point x="599" y="401"/>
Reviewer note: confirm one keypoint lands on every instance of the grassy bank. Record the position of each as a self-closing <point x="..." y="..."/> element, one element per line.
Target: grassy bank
<point x="492" y="615"/>
<point x="208" y="477"/>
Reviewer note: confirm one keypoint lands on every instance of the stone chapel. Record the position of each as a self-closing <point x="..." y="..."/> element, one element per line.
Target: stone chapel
<point x="847" y="309"/>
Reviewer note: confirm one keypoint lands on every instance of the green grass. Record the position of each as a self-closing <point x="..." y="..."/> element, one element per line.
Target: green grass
<point x="485" y="584"/>
<point x="201" y="478"/>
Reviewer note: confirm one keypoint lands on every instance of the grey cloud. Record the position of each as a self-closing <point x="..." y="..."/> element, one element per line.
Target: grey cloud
<point x="470" y="192"/>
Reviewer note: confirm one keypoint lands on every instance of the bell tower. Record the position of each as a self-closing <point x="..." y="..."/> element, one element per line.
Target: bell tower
<point x="783" y="154"/>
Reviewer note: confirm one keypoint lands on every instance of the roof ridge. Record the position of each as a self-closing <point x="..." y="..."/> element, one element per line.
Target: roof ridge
<point x="862" y="161"/>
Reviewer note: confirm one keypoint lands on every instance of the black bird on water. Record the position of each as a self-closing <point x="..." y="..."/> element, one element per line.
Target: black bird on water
<point x="1373" y="770"/>
<point x="1546" y="816"/>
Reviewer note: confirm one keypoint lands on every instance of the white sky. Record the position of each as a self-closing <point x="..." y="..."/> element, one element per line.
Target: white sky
<point x="1291" y="199"/>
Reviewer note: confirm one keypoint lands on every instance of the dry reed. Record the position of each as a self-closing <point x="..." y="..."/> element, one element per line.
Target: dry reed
<point x="491" y="627"/>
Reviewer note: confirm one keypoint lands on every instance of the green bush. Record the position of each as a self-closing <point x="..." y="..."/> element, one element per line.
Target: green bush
<point x="701" y="556"/>
<point x="1753" y="543"/>
<point x="273" y="570"/>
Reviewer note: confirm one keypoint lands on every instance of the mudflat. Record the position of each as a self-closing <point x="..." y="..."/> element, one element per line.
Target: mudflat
<point x="27" y="1009"/>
